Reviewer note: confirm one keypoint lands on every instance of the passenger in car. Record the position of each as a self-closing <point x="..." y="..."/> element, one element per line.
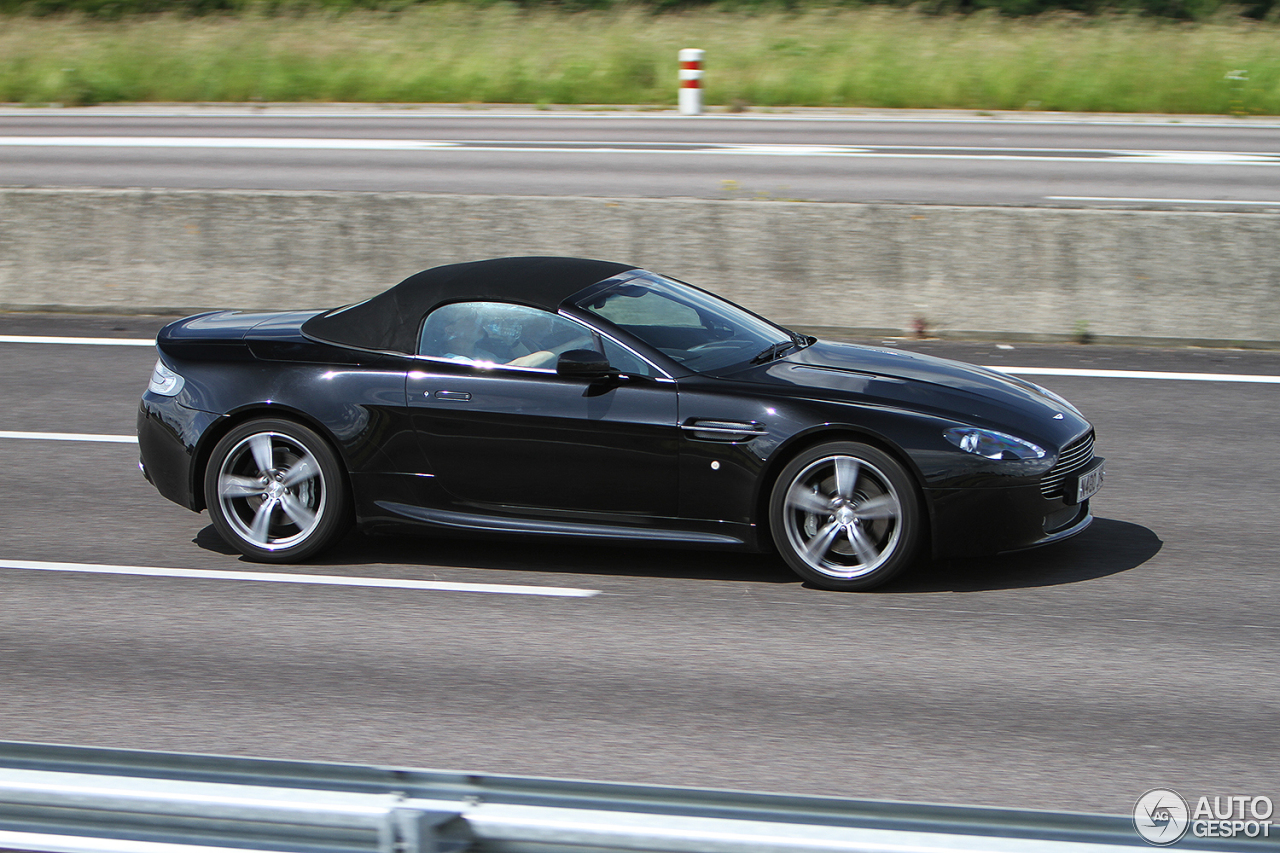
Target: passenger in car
<point x="500" y="334"/>
<point x="501" y="339"/>
<point x="461" y="333"/>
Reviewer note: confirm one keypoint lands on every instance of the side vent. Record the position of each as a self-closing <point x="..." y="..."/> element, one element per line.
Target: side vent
<point x="727" y="431"/>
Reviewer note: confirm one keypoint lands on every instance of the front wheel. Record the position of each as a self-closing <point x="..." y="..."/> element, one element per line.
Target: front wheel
<point x="275" y="491"/>
<point x="846" y="516"/>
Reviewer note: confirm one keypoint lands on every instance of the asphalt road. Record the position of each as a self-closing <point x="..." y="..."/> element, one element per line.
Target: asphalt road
<point x="1144" y="653"/>
<point x="1144" y="162"/>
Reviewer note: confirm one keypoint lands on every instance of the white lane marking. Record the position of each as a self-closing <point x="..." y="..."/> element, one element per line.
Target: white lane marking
<point x="949" y="152"/>
<point x="624" y="113"/>
<point x="1160" y="200"/>
<point x="1089" y="373"/>
<point x="794" y="150"/>
<point x="1204" y="158"/>
<point x="1198" y="158"/>
<point x="1137" y="374"/>
<point x="1044" y="371"/>
<point x="95" y="342"/>
<point x="280" y="577"/>
<point x="291" y="143"/>
<point x="69" y="436"/>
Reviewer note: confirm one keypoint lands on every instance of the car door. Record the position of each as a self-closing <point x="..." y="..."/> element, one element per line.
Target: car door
<point x="503" y="432"/>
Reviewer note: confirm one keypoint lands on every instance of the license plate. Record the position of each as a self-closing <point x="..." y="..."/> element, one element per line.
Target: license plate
<point x="1088" y="482"/>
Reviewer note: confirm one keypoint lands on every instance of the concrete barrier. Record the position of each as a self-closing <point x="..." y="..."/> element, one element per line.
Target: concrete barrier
<point x="996" y="272"/>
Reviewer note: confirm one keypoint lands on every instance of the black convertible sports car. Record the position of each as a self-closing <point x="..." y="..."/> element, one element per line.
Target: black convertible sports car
<point x="562" y="396"/>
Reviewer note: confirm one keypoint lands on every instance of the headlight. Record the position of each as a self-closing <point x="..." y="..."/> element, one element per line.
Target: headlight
<point x="164" y="381"/>
<point x="992" y="444"/>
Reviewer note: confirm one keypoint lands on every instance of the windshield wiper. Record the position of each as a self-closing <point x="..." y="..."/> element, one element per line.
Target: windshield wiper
<point x="774" y="351"/>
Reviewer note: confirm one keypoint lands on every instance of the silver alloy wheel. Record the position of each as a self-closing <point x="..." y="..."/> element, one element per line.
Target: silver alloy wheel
<point x="842" y="516"/>
<point x="271" y="490"/>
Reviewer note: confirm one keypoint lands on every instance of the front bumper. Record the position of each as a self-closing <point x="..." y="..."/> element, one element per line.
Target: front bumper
<point x="974" y="522"/>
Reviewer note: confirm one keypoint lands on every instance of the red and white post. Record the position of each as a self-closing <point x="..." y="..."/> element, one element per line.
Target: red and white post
<point x="691" y="81"/>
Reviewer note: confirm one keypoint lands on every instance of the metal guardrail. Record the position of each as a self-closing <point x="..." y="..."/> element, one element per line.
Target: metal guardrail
<point x="67" y="799"/>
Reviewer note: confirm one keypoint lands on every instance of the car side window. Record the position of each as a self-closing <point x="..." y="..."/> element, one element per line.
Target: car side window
<point x="626" y="361"/>
<point x="496" y="334"/>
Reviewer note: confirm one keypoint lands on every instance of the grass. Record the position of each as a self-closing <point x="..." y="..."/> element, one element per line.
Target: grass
<point x="460" y="53"/>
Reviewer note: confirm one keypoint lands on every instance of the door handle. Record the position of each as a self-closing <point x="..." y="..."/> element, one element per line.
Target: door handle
<point x="461" y="396"/>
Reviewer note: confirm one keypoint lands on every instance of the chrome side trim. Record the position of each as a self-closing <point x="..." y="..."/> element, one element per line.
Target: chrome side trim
<point x="724" y="430"/>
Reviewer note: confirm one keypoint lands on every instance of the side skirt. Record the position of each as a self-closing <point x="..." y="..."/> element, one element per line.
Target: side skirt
<point x="735" y="536"/>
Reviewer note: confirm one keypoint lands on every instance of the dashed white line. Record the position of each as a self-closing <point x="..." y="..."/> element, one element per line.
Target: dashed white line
<point x="646" y="116"/>
<point x="1138" y="374"/>
<point x="69" y="436"/>
<point x="97" y="342"/>
<point x="940" y="152"/>
<point x="1205" y="158"/>
<point x="1030" y="371"/>
<point x="1079" y="372"/>
<point x="1122" y="199"/>
<point x="268" y="142"/>
<point x="317" y="580"/>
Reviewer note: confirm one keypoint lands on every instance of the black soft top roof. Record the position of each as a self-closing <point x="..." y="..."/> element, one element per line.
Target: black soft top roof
<point x="390" y="320"/>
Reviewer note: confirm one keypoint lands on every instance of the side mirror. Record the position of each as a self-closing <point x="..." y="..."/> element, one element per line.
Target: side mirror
<point x="583" y="364"/>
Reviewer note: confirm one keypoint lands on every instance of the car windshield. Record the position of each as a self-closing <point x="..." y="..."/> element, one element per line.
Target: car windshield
<point x="698" y="330"/>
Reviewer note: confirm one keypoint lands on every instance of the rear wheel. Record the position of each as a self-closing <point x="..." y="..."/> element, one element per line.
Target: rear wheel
<point x="275" y="491"/>
<point x="846" y="516"/>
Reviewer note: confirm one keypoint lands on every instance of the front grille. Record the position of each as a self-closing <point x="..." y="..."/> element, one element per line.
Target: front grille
<point x="1071" y="460"/>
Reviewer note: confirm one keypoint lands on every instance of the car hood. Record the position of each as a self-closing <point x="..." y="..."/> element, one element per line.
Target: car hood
<point x="923" y="383"/>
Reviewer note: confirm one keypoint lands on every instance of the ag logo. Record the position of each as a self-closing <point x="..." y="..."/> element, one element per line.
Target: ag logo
<point x="1161" y="816"/>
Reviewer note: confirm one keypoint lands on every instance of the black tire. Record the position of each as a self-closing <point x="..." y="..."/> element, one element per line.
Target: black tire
<point x="276" y="492"/>
<point x="846" y="516"/>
